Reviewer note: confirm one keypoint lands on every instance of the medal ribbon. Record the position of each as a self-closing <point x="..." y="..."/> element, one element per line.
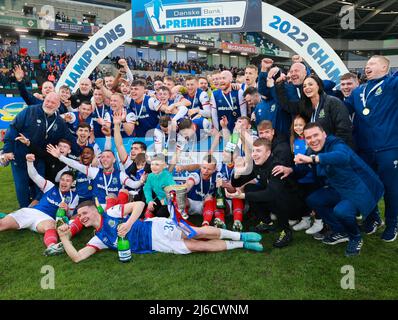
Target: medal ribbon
<point x="365" y="98"/>
<point x="201" y="186"/>
<point x="107" y="184"/>
<point x="229" y="101"/>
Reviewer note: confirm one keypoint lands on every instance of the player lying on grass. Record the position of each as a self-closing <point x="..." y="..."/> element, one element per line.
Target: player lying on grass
<point x="41" y="217"/>
<point x="156" y="234"/>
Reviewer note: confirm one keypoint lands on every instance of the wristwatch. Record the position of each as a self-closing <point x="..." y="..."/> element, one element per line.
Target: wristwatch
<point x="313" y="157"/>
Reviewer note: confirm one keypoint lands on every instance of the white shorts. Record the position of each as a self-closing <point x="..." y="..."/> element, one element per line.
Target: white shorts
<point x="29" y="218"/>
<point x="166" y="237"/>
<point x="195" y="207"/>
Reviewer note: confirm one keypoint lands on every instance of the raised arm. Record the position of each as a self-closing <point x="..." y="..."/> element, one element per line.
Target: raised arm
<point x="88" y="171"/>
<point x="124" y="178"/>
<point x="42" y="183"/>
<point x="121" y="150"/>
<point x="214" y="115"/>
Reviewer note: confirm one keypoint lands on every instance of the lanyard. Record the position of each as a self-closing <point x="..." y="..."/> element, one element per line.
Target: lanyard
<point x="48" y="128"/>
<point x="227" y="172"/>
<point x="365" y="98"/>
<point x="62" y="197"/>
<point x="315" y="113"/>
<point x="194" y="99"/>
<point x="201" y="186"/>
<point x="230" y="104"/>
<point x="103" y="111"/>
<point x="298" y="92"/>
<point x="107" y="184"/>
<point x="167" y="140"/>
<point x="135" y="107"/>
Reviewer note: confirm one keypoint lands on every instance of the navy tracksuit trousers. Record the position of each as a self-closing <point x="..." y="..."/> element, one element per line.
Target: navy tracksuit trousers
<point x="385" y="164"/>
<point x="338" y="213"/>
<point x="25" y="188"/>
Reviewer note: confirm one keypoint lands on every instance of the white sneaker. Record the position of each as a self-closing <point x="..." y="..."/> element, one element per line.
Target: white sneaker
<point x="304" y="224"/>
<point x="273" y="217"/>
<point x="54" y="249"/>
<point x="316" y="227"/>
<point x="293" y="222"/>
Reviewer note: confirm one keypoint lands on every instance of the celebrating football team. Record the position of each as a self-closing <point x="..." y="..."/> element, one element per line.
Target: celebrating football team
<point x="207" y="158"/>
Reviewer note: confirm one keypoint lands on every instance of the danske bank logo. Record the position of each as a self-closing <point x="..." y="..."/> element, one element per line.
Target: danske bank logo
<point x="203" y="16"/>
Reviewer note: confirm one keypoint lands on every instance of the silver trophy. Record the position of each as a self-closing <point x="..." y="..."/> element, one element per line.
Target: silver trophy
<point x="180" y="192"/>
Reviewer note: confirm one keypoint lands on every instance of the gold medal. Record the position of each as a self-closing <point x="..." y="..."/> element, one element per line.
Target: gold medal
<point x="137" y="123"/>
<point x="234" y="114"/>
<point x="365" y="111"/>
<point x="90" y="188"/>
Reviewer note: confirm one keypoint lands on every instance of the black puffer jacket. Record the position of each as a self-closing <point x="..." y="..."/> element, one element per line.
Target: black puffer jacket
<point x="333" y="116"/>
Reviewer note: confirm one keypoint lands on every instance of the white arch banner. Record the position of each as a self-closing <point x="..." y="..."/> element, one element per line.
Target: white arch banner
<point x="275" y="22"/>
<point x="304" y="41"/>
<point x="96" y="49"/>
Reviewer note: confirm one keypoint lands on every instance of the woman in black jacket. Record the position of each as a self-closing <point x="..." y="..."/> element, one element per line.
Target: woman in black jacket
<point x="328" y="111"/>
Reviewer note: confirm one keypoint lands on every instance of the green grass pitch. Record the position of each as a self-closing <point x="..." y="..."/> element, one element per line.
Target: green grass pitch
<point x="305" y="270"/>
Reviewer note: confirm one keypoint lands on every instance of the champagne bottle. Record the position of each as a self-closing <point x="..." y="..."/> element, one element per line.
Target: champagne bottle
<point x="99" y="207"/>
<point x="123" y="249"/>
<point x="233" y="142"/>
<point x="60" y="217"/>
<point x="254" y="128"/>
<point x="220" y="198"/>
<point x="235" y="138"/>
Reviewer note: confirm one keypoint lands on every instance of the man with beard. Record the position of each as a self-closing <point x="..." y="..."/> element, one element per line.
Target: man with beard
<point x="41" y="124"/>
<point x="227" y="102"/>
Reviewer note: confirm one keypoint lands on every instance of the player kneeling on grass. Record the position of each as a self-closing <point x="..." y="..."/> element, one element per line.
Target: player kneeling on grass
<point x="151" y="235"/>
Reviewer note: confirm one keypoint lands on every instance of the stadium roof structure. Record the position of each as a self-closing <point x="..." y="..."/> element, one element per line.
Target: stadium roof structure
<point x="374" y="19"/>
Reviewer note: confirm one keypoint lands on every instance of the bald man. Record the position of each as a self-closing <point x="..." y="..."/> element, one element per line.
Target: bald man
<point x="277" y="96"/>
<point x="84" y="93"/>
<point x="375" y="106"/>
<point x="226" y="102"/>
<point x="41" y="125"/>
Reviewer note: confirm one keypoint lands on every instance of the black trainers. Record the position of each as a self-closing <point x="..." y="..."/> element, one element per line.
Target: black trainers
<point x="335" y="238"/>
<point x="390" y="233"/>
<point x="324" y="233"/>
<point x="285" y="237"/>
<point x="371" y="226"/>
<point x="264" y="227"/>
